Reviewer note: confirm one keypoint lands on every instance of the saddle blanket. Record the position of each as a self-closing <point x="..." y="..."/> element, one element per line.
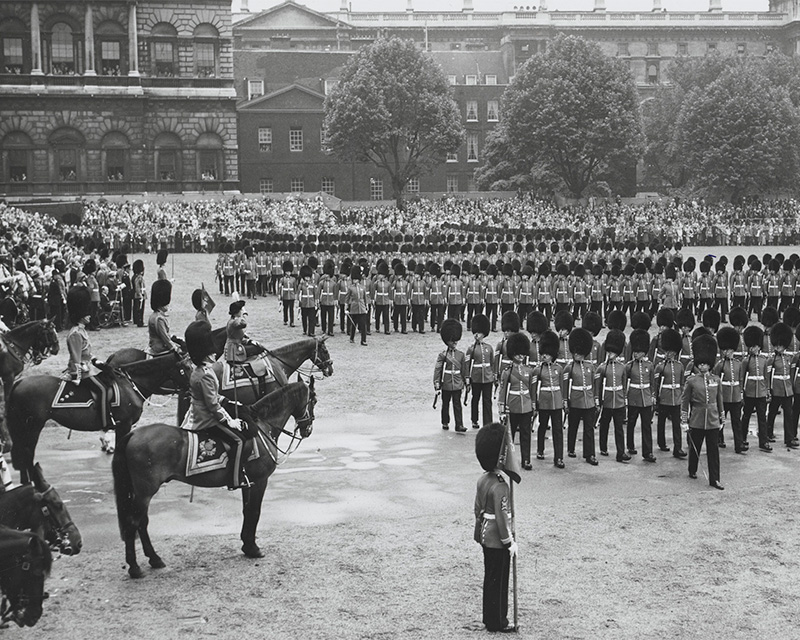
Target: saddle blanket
<point x="83" y="395"/>
<point x="210" y="453"/>
<point x="256" y="373"/>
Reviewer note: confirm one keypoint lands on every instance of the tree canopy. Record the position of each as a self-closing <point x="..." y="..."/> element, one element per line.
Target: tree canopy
<point x="392" y="107"/>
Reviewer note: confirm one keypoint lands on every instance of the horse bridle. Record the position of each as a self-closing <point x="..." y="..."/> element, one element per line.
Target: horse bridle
<point x="35" y="353"/>
<point x="60" y="540"/>
<point x="316" y="364"/>
<point x="9" y="611"/>
<point x="294" y="443"/>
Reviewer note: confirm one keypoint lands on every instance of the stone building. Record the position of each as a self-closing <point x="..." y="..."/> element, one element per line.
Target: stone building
<point x="288" y="57"/>
<point x="116" y="97"/>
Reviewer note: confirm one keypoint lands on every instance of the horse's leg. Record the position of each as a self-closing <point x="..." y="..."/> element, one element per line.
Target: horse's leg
<point x="26" y="427"/>
<point x="251" y="509"/>
<point x="147" y="546"/>
<point x="7" y="379"/>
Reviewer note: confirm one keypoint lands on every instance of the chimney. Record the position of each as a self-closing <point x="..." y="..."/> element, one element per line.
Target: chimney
<point x="467" y="5"/>
<point x="410" y="6"/>
<point x="715" y="5"/>
<point x="343" y="6"/>
<point x="656" y="5"/>
<point x="600" y="5"/>
<point x="244" y="7"/>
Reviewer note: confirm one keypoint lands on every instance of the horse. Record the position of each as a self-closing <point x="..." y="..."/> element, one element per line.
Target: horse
<point x="31" y="402"/>
<point x="283" y="362"/>
<point x="30" y="342"/>
<point x="154" y="454"/>
<point x="38" y="508"/>
<point x="25" y="562"/>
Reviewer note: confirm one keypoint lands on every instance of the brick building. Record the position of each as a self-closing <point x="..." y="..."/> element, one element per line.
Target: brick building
<point x="116" y="97"/>
<point x="288" y="57"/>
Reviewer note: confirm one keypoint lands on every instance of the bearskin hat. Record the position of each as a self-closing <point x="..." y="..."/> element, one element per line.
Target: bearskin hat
<point x="138" y="266"/>
<point x="665" y="317"/>
<point x="592" y="323"/>
<point x="305" y="272"/>
<point x="769" y="316"/>
<point x="160" y="294"/>
<point x="753" y="336"/>
<point x="615" y="342"/>
<point x="781" y="334"/>
<point x="451" y="330"/>
<point x="355" y="272"/>
<point x="774" y="265"/>
<point x="79" y="303"/>
<point x="671" y="272"/>
<point x="701" y="331"/>
<point x="383" y="268"/>
<point x="197" y="299"/>
<point x="617" y="320"/>
<point x="670" y="340"/>
<point x="537" y="322"/>
<point x="455" y="270"/>
<point x="199" y="341"/>
<point x="728" y="338"/>
<point x="685" y="318"/>
<point x="580" y="342"/>
<point x="563" y="320"/>
<point x="488" y="443"/>
<point x="705" y="267"/>
<point x="435" y="270"/>
<point x="527" y="271"/>
<point x="545" y="268"/>
<point x="549" y="344"/>
<point x="288" y="267"/>
<point x="640" y="340"/>
<point x="641" y="320"/>
<point x="235" y="307"/>
<point x="481" y="324"/>
<point x="121" y="260"/>
<point x="161" y="256"/>
<point x="518" y="344"/>
<point x="739" y="317"/>
<point x="328" y="268"/>
<point x="704" y="350"/>
<point x="791" y="316"/>
<point x="756" y="265"/>
<point x="90" y="266"/>
<point x="509" y="322"/>
<point x="711" y="319"/>
<point x="508" y="270"/>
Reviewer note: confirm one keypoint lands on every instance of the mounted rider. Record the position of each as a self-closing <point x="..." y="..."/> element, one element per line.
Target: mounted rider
<point x="237" y="342"/>
<point x="158" y="322"/>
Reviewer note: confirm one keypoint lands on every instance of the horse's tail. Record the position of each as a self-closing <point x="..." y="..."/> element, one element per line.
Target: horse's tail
<point x="123" y="487"/>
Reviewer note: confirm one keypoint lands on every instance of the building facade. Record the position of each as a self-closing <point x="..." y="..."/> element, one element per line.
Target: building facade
<point x="288" y="57"/>
<point x="116" y="97"/>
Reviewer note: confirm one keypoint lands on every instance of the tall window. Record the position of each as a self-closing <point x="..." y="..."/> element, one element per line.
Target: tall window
<point x="413" y="185"/>
<point x="652" y="48"/>
<point x="491" y="79"/>
<point x="62" y="50"/>
<point x="209" y="157"/>
<point x="652" y="73"/>
<point x="67" y="146"/>
<point x="492" y="110"/>
<point x="296" y="139"/>
<point x="452" y="156"/>
<point x="297" y="185"/>
<point x="472" y="146"/>
<point x="164" y="39"/>
<point x="206" y="43"/>
<point x="265" y="185"/>
<point x="472" y="110"/>
<point x="328" y="186"/>
<point x="375" y="189"/>
<point x="255" y="88"/>
<point x="17" y="148"/>
<point x="265" y="139"/>
<point x="452" y="183"/>
<point x="112" y="44"/>
<point x="15" y="42"/>
<point x="168" y="157"/>
<point x="115" y="156"/>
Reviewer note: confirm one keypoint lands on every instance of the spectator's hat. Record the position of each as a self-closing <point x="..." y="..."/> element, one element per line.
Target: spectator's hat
<point x="563" y="321"/>
<point x="160" y="294"/>
<point x="615" y="342"/>
<point x="727" y="338"/>
<point x="79" y="303"/>
<point x="451" y="330"/>
<point x="580" y="342"/>
<point x="640" y="340"/>
<point x="704" y="350"/>
<point x="670" y="340"/>
<point x="510" y="322"/>
<point x="537" y="322"/>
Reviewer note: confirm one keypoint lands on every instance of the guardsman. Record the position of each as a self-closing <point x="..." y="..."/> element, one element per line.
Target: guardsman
<point x="276" y="272"/>
<point x="754" y="387"/>
<point x="685" y="322"/>
<point x="610" y="383"/>
<point x="642" y="287"/>
<point x="549" y="401"/>
<point x="437" y="295"/>
<point x="228" y="270"/>
<point x="509" y="325"/>
<point x="536" y="325"/>
<point x="400" y="295"/>
<point x="508" y="290"/>
<point x="593" y="323"/>
<point x="544" y="291"/>
<point x="772" y="284"/>
<point x="491" y="295"/>
<point x="262" y="270"/>
<point x="702" y="409"/>
<point x="796" y="385"/>
<point x="419" y="298"/>
<point x="628" y="290"/>
<point x="307" y="293"/>
<point x="326" y="297"/>
<point x="580" y="293"/>
<point x="357" y="306"/>
<point x="756" y="288"/>
<point x="779" y="379"/>
<point x="670" y="290"/>
<point x="689" y="286"/>
<point x="656" y="284"/>
<point x="561" y="288"/>
<point x="475" y="295"/>
<point x="769" y="318"/>
<point x="665" y="319"/>
<point x="739" y="320"/>
<point x="480" y="370"/>
<point x="450" y="374"/>
<point x="564" y="324"/>
<point x="669" y="377"/>
<point x="516" y="395"/>
<point x="288" y="289"/>
<point x="640" y="394"/>
<point x="577" y="391"/>
<point x="721" y="291"/>
<point x="250" y="272"/>
<point x="639" y="320"/>
<point x="342" y="287"/>
<point x="705" y="286"/>
<point x="380" y="294"/>
<point x="158" y="332"/>
<point x="526" y="294"/>
<point x="161" y="261"/>
<point x="788" y="279"/>
<point x="597" y="290"/>
<point x="738" y="283"/>
<point x="614" y="290"/>
<point x="139" y="292"/>
<point x="728" y="369"/>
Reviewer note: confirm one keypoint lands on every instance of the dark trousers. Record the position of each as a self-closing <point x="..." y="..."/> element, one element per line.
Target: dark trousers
<point x="689" y="303"/>
<point x="454" y="311"/>
<point x="251" y="288"/>
<point x="579" y="310"/>
<point x="58" y="313"/>
<point x="496" y="568"/>
<point x="505" y="307"/>
<point x="702" y="305"/>
<point x="547" y="309"/>
<point x="738" y="301"/>
<point x="326" y="315"/>
<point x="418" y="317"/>
<point x="772" y="301"/>
<point x="437" y="316"/>
<point x="574" y="418"/>
<point x="522" y="311"/>
<point x="473" y="309"/>
<point x="453" y="397"/>
<point x="555" y="418"/>
<point x="721" y="305"/>
<point x="308" y="315"/>
<point x="288" y="312"/>
<point x="138" y="311"/>
<point x="734" y="410"/>
<point x="645" y="414"/>
<point x="482" y="392"/>
<point x="755" y="306"/>
<point x="597" y="307"/>
<point x="672" y="413"/>
<point x="400" y="312"/>
<point x="795" y="412"/>
<point x="359" y="321"/>
<point x="228" y="280"/>
<point x="759" y="405"/>
<point x="382" y="314"/>
<point x="522" y="422"/>
<point x="696" y="437"/>
<point x="491" y="313"/>
<point x="618" y="415"/>
<point x="784" y="403"/>
<point x="343" y="319"/>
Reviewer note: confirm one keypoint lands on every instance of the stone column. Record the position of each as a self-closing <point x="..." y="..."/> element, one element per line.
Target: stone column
<point x="133" y="41"/>
<point x="36" y="42"/>
<point x="88" y="42"/>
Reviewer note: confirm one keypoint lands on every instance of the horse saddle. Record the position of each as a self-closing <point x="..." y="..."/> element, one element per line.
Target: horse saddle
<point x="255" y="373"/>
<point x="209" y="452"/>
<point x="85" y="394"/>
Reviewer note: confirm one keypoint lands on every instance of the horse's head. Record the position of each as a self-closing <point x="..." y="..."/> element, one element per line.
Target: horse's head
<point x="46" y="342"/>
<point x="22" y="576"/>
<point x="59" y="530"/>
<point x="322" y="358"/>
<point x="305" y="421"/>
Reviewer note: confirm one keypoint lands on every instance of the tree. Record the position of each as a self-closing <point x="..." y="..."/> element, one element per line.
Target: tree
<point x="392" y="107"/>
<point x="573" y="112"/>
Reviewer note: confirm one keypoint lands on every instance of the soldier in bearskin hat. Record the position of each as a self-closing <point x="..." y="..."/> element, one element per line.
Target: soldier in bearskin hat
<point x="357" y="306"/>
<point x="419" y="299"/>
<point x="158" y="332"/>
<point x="755" y="388"/>
<point x="639" y="372"/>
<point x="593" y="323"/>
<point x="326" y="297"/>
<point x="480" y="367"/>
<point x="702" y="409"/>
<point x="669" y="377"/>
<point x="536" y="324"/>
<point x="516" y="395"/>
<point x="288" y="292"/>
<point x="437" y="299"/>
<point x="549" y="400"/>
<point x="307" y="292"/>
<point x="139" y="292"/>
<point x="494" y="528"/>
<point x="563" y="322"/>
<point x="450" y="374"/>
<point x="381" y="296"/>
<point x="610" y="381"/>
<point x="207" y="412"/>
<point x="161" y="261"/>
<point x="509" y="325"/>
<point x="491" y="295"/>
<point x="580" y="400"/>
<point x="400" y="297"/>
<point x="780" y="383"/>
<point x="729" y="368"/>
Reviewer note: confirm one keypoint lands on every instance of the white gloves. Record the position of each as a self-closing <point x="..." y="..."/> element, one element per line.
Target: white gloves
<point x="512" y="550"/>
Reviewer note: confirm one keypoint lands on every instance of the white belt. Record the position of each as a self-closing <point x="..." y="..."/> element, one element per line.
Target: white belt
<point x="550" y="389"/>
<point x="481" y="364"/>
<point x="670" y="386"/>
<point x="452" y="371"/>
<point x="574" y="388"/>
<point x="780" y="377"/>
<point x="614" y="388"/>
<point x="727" y="383"/>
<point x="489" y="516"/>
<point x="640" y="386"/>
<point x="755" y="377"/>
<point x="514" y="393"/>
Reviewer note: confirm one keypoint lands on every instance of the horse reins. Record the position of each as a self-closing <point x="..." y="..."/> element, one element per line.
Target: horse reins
<point x="8" y="612"/>
<point x="58" y="530"/>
